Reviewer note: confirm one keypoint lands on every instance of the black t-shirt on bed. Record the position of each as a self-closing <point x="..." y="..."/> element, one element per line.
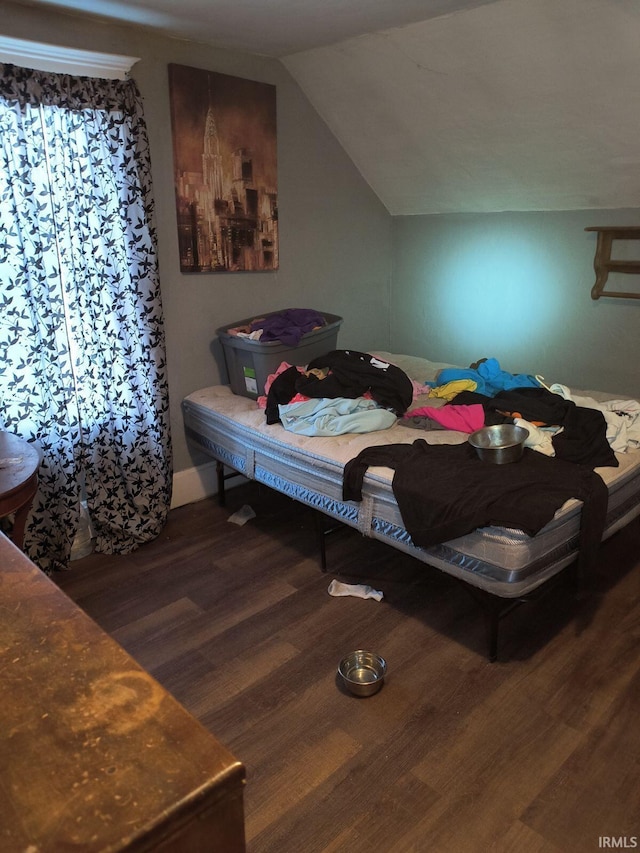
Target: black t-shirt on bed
<point x="444" y="491"/>
<point x="343" y="373"/>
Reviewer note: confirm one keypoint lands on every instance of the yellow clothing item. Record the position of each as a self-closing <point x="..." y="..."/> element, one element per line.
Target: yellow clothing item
<point x="450" y="389"/>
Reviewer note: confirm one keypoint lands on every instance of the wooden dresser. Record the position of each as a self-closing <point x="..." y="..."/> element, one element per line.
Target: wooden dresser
<point x="94" y="754"/>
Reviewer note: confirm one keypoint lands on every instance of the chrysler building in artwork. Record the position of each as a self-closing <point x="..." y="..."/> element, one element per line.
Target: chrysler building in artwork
<point x="211" y="158"/>
<point x="225" y="172"/>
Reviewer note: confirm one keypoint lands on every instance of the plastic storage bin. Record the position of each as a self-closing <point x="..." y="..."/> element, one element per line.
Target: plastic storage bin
<point x="249" y="363"/>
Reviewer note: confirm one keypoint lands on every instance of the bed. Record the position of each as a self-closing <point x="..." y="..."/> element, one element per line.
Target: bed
<point x="500" y="566"/>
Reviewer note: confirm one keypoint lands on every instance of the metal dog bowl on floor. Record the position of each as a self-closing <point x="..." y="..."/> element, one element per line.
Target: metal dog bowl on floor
<point x="362" y="672"/>
<point x="500" y="443"/>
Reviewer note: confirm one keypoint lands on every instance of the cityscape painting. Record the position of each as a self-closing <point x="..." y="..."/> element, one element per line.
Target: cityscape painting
<point x="225" y="171"/>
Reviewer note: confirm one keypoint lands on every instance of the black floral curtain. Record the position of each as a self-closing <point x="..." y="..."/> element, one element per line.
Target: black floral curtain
<point x="82" y="350"/>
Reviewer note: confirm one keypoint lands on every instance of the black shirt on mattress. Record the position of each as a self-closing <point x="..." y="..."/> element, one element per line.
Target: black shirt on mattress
<point x="584" y="431"/>
<point x="444" y="491"/>
<point x="353" y="373"/>
<point x="348" y="374"/>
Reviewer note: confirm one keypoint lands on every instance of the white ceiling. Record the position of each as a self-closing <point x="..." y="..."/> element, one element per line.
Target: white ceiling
<point x="449" y="105"/>
<point x="269" y="27"/>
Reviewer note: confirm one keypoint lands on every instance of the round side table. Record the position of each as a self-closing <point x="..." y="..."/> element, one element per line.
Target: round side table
<point x="19" y="463"/>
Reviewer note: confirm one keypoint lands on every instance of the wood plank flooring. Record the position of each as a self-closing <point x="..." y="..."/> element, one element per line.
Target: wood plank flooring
<point x="537" y="752"/>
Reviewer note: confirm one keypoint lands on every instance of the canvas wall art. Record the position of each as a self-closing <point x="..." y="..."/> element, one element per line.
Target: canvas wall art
<point x="225" y="171"/>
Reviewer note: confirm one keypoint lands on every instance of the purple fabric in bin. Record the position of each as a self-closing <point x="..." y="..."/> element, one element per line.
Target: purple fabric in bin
<point x="288" y="326"/>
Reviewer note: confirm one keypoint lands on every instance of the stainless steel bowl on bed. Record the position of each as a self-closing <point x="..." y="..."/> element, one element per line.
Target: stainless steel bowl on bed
<point x="500" y="443"/>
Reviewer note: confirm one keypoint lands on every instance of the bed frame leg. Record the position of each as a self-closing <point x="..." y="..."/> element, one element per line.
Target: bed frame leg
<point x="320" y="533"/>
<point x="493" y="625"/>
<point x="222" y="498"/>
<point x="494" y="609"/>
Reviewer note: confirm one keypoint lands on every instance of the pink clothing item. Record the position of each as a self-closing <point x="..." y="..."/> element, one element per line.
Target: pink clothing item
<point x="419" y="388"/>
<point x="284" y="365"/>
<point x="461" y="418"/>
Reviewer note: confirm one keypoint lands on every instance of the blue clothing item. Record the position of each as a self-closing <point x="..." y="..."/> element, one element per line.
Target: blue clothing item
<point x="335" y="416"/>
<point x="491" y="379"/>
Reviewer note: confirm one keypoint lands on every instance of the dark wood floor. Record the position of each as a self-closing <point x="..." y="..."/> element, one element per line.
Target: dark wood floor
<point x="539" y="751"/>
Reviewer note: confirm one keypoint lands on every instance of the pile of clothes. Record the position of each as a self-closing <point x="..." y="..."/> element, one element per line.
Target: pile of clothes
<point x="286" y="326"/>
<point x="339" y="392"/>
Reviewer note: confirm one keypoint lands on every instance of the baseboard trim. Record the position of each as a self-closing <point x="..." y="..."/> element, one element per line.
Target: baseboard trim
<point x="196" y="484"/>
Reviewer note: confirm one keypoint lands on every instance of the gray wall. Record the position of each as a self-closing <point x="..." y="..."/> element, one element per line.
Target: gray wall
<point x="517" y="287"/>
<point x="335" y="235"/>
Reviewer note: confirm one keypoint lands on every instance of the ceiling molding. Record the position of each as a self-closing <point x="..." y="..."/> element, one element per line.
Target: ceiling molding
<point x="65" y="60"/>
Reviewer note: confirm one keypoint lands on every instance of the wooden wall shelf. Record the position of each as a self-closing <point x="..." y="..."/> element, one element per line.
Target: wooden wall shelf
<point x="603" y="265"/>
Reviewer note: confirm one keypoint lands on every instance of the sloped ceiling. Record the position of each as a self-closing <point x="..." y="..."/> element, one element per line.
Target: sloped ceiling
<point x="450" y="105"/>
<point x="516" y="105"/>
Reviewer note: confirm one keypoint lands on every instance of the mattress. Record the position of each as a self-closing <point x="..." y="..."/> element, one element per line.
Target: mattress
<point x="502" y="561"/>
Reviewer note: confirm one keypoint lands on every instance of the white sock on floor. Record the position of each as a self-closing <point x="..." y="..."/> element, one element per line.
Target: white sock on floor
<point x="243" y="515"/>
<point x="358" y="590"/>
